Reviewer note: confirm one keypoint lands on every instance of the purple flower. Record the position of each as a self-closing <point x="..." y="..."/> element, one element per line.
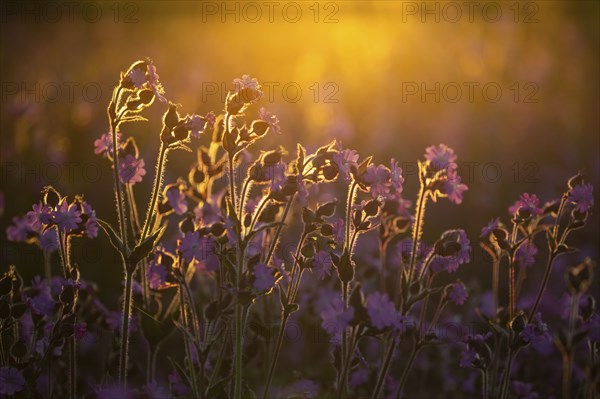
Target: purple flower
<point x="39" y="216"/>
<point x="194" y="247"/>
<point x="526" y="203"/>
<point x="396" y="176"/>
<point x="246" y="82"/>
<point x="378" y="179"/>
<point x="154" y="84"/>
<point x="156" y="275"/>
<point x="523" y="390"/>
<point x="338" y="231"/>
<point x="264" y="278"/>
<point x="440" y="156"/>
<point x="176" y="199"/>
<point x="138" y="77"/>
<point x="66" y="216"/>
<point x="492" y="225"/>
<point x="91" y="224"/>
<point x="177" y="386"/>
<point x="474" y="350"/>
<point x="276" y="174"/>
<point x="131" y="169"/>
<point x="210" y="119"/>
<point x="458" y="293"/>
<point x="358" y="378"/>
<point x="455" y="248"/>
<point x="453" y="188"/>
<point x="154" y="391"/>
<point x="582" y="196"/>
<point x="195" y="124"/>
<point x="11" y="380"/>
<point x="270" y="119"/>
<point x="20" y="230"/>
<point x="208" y="213"/>
<point x="381" y="310"/>
<point x="345" y="159"/>
<point x="104" y="145"/>
<point x="467" y="357"/>
<point x="334" y="319"/>
<point x="526" y="255"/>
<point x="534" y="330"/>
<point x="321" y="264"/>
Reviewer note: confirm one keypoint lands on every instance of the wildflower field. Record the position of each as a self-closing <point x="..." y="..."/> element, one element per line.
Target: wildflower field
<point x="284" y="200"/>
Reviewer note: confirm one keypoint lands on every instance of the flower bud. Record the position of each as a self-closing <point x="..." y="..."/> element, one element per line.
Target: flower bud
<point x="51" y="197"/>
<point x="171" y="117"/>
<point x="181" y="132"/>
<point x="146" y="96"/>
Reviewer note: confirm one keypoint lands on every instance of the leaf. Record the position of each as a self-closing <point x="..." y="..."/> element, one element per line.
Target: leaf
<point x="135" y="118"/>
<point x="261" y="228"/>
<point x="301" y="156"/>
<point x="155" y="330"/>
<point x="112" y="236"/>
<point x="142" y="249"/>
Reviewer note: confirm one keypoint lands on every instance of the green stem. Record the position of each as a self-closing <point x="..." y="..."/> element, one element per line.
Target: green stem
<point x="506" y="380"/>
<point x="411" y="359"/>
<point x="384" y="369"/>
<point x="284" y="319"/>
<point x="123" y="358"/>
<point x="160" y="165"/>
<point x="416" y="232"/>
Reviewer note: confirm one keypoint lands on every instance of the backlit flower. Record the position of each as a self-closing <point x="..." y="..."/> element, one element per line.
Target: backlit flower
<point x="441" y="156"/>
<point x="264" y="277"/>
<point x="582" y="196"/>
<point x="321" y="264"/>
<point x="381" y="310"/>
<point x="11" y="380"/>
<point x="131" y="169"/>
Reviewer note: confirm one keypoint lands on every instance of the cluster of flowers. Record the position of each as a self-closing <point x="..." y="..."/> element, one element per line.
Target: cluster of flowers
<point x="221" y="264"/>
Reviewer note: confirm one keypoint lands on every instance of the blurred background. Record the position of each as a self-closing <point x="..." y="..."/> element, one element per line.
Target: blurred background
<point x="512" y="87"/>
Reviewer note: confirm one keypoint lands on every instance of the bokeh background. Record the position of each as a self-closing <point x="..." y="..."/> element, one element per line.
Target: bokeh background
<point x="381" y="76"/>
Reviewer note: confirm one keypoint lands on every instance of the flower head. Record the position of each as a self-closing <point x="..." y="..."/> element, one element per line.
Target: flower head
<point x="131" y="169"/>
<point x="378" y="180"/>
<point x="176" y="199"/>
<point x="453" y="187"/>
<point x="582" y="196"/>
<point x="321" y="264"/>
<point x="11" y="380"/>
<point x="440" y="157"/>
<point x="334" y="319"/>
<point x="457" y="293"/>
<point x="194" y="247"/>
<point x="345" y="159"/>
<point x="382" y="312"/>
<point x="526" y="255"/>
<point x="491" y="226"/>
<point x="264" y="277"/>
<point x="39" y="216"/>
<point x="270" y="119"/>
<point x="67" y="216"/>
<point x="526" y="204"/>
<point x="104" y="145"/>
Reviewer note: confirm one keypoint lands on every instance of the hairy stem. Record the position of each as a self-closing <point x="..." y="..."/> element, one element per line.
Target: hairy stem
<point x="416" y="231"/>
<point x="123" y="358"/>
<point x="160" y="166"/>
<point x="542" y="288"/>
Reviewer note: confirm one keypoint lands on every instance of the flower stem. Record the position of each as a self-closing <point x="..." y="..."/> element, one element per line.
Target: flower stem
<point x="125" y="329"/>
<point x="284" y="319"/>
<point x="411" y="360"/>
<point x="540" y="293"/>
<point x="278" y="230"/>
<point x="416" y="232"/>
<point x="160" y="166"/>
<point x="114" y="123"/>
<point x="506" y="380"/>
<point x="484" y="388"/>
<point x="384" y="369"/>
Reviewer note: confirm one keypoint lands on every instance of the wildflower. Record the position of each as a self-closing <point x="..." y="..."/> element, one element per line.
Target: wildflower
<point x="176" y="199"/>
<point x="194" y="247"/>
<point x="67" y="217"/>
<point x="321" y="264"/>
<point x="457" y="293"/>
<point x="131" y="169"/>
<point x="440" y="157"/>
<point x="526" y="205"/>
<point x="338" y="231"/>
<point x="91" y="222"/>
<point x="491" y="226"/>
<point x="476" y="353"/>
<point x="156" y="274"/>
<point x="378" y="180"/>
<point x="264" y="278"/>
<point x="11" y="380"/>
<point x="39" y="216"/>
<point x="270" y="119"/>
<point x="396" y="176"/>
<point x="210" y="119"/>
<point x="453" y="188"/>
<point x="381" y="310"/>
<point x="246" y="82"/>
<point x="104" y="145"/>
<point x="526" y="255"/>
<point x="582" y="196"/>
<point x="534" y="330"/>
<point x="276" y="175"/>
<point x="154" y="391"/>
<point x="358" y="378"/>
<point x="455" y="247"/>
<point x="334" y="319"/>
<point x="20" y="230"/>
<point x="523" y="390"/>
<point x="345" y="159"/>
<point x="177" y="386"/>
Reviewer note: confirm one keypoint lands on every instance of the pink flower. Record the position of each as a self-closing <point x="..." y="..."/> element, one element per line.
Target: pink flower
<point x="453" y="188"/>
<point x="396" y="176"/>
<point x="270" y="119"/>
<point x="526" y="203"/>
<point x="246" y="82"/>
<point x="582" y="196"/>
<point x="104" y="145"/>
<point x="440" y="156"/>
<point x="345" y="159"/>
<point x="378" y="179"/>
